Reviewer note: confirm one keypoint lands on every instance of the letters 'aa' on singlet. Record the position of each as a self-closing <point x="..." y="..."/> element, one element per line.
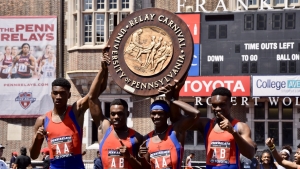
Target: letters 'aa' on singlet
<point x="167" y="154"/>
<point x="111" y="157"/>
<point x="221" y="150"/>
<point x="64" y="141"/>
<point x="22" y="68"/>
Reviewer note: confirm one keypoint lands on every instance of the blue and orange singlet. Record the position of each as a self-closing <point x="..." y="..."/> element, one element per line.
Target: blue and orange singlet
<point x="110" y="155"/>
<point x="221" y="150"/>
<point x="64" y="141"/>
<point x="166" y="154"/>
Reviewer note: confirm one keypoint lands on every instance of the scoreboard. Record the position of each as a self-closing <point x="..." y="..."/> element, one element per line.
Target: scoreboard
<point x="250" y="43"/>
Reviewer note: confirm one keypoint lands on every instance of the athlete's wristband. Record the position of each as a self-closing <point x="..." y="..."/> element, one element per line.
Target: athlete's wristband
<point x="272" y="147"/>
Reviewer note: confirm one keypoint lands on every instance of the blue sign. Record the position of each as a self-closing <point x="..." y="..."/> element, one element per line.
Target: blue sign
<point x="195" y="67"/>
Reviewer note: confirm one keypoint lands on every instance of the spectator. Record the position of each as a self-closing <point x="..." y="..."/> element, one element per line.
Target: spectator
<point x="13" y="159"/>
<point x="285" y="154"/>
<point x="1" y="150"/>
<point x="97" y="162"/>
<point x="46" y="158"/>
<point x="22" y="160"/>
<point x="257" y="157"/>
<point x="3" y="165"/>
<point x="3" y="159"/>
<point x="266" y="160"/>
<point x="249" y="163"/>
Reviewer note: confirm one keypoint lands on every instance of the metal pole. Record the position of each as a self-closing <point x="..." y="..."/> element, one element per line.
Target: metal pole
<point x="61" y="38"/>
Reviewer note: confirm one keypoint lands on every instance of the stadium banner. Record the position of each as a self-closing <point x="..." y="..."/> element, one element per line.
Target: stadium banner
<point x="27" y="65"/>
<point x="276" y="85"/>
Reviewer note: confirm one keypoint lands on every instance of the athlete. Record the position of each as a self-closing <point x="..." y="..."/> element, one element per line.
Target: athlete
<point x="163" y="147"/>
<point x="118" y="143"/>
<point x="188" y="161"/>
<point x="48" y="66"/>
<point x="14" y="51"/>
<point x="45" y="56"/>
<point x="6" y="63"/>
<point x="225" y="137"/>
<point x="281" y="161"/>
<point x="26" y="62"/>
<point x="62" y="126"/>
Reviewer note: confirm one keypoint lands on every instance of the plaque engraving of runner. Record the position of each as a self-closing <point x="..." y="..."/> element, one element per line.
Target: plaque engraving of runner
<point x="149" y="49"/>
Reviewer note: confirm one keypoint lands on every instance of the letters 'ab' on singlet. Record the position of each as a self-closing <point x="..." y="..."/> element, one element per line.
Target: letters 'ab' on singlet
<point x="221" y="149"/>
<point x="111" y="157"/>
<point x="64" y="141"/>
<point x="166" y="154"/>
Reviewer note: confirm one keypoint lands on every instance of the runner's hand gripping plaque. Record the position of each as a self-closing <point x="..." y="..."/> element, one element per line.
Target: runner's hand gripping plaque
<point x="149" y="49"/>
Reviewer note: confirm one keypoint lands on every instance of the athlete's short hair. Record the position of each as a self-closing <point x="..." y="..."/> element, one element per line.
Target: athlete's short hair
<point x="223" y="91"/>
<point x="120" y="102"/>
<point x="62" y="82"/>
<point x="192" y="154"/>
<point x="298" y="146"/>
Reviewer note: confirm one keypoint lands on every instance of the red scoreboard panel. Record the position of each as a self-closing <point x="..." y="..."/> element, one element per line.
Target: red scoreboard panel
<point x="193" y="22"/>
<point x="250" y="43"/>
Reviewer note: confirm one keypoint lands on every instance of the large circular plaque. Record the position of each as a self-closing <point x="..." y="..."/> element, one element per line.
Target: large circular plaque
<point x="149" y="49"/>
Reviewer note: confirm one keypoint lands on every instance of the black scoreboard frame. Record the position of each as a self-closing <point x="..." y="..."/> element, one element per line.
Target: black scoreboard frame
<point x="263" y="42"/>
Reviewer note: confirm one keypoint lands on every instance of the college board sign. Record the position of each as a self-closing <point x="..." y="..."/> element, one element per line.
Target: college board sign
<point x="149" y="49"/>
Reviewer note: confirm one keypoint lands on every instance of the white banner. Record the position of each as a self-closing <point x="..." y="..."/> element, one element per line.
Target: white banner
<point x="276" y="86"/>
<point x="27" y="65"/>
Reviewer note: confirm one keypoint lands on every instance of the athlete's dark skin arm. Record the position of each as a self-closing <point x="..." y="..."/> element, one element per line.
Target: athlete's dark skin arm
<point x="38" y="138"/>
<point x="176" y="106"/>
<point x="243" y="139"/>
<point x="97" y="87"/>
<point x="183" y="123"/>
<point x="82" y="104"/>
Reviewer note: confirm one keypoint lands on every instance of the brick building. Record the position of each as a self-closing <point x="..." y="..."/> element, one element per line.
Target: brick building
<point x="87" y="26"/>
